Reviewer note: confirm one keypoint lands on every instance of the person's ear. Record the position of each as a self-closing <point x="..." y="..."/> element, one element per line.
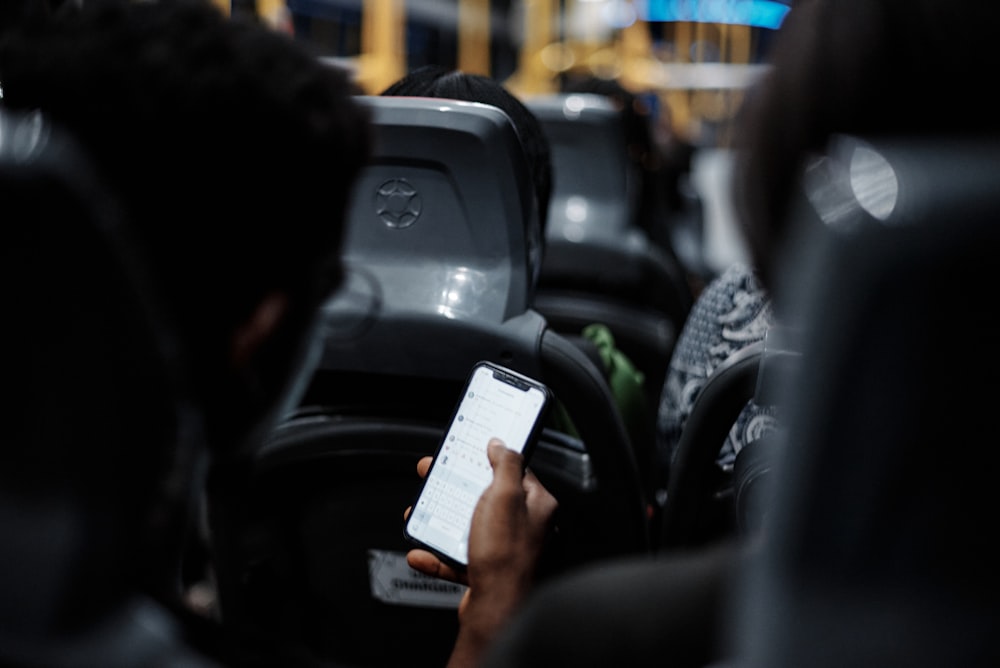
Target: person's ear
<point x="258" y="328"/>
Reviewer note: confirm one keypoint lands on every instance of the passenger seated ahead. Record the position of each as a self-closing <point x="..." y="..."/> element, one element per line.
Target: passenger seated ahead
<point x="624" y="379"/>
<point x="731" y="313"/>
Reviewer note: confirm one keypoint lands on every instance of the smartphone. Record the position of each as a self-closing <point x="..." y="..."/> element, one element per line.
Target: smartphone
<point x="496" y="402"/>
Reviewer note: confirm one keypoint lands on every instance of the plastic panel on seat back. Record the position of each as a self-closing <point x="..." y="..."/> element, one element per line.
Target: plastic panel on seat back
<point x="594" y="195"/>
<point x="592" y="236"/>
<point x="437" y="243"/>
<point x="880" y="545"/>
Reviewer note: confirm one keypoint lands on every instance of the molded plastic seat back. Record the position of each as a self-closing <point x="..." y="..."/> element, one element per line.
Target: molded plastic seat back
<point x="880" y="546"/>
<point x="594" y="195"/>
<point x="592" y="232"/>
<point x="433" y="243"/>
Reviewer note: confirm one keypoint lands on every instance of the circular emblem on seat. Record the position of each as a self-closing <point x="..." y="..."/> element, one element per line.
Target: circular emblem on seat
<point x="397" y="203"/>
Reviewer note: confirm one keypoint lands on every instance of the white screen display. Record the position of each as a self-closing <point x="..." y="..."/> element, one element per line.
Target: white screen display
<point x="461" y="470"/>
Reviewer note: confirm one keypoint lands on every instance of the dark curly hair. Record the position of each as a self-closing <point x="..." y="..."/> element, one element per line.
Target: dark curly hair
<point x="231" y="147"/>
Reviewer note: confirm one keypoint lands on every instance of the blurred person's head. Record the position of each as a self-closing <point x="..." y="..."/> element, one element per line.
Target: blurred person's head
<point x="863" y="67"/>
<point x="438" y="82"/>
<point x="232" y="150"/>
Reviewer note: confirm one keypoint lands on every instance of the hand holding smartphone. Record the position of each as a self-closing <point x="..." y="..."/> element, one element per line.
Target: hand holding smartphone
<point x="496" y="402"/>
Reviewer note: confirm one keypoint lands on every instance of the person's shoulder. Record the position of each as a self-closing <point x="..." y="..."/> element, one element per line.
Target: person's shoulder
<point x="732" y="311"/>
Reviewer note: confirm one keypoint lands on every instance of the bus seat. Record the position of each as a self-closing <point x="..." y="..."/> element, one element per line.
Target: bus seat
<point x="752" y="477"/>
<point x="705" y="503"/>
<point x="439" y="277"/>
<point x="80" y="336"/>
<point x="600" y="265"/>
<point x="698" y="505"/>
<point x="596" y="191"/>
<point x="880" y="544"/>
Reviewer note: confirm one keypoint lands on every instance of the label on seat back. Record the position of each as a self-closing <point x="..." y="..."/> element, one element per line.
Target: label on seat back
<point x="394" y="582"/>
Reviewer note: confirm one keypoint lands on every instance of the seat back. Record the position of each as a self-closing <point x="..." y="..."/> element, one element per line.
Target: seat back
<point x="439" y="238"/>
<point x="706" y="502"/>
<point x="880" y="548"/>
<point x="697" y="508"/>
<point x="439" y="277"/>
<point x="600" y="266"/>
<point x="596" y="192"/>
<point x="99" y="438"/>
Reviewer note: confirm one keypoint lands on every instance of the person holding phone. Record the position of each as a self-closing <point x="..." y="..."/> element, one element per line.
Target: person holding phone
<point x="498" y="551"/>
<point x="214" y="137"/>
<point x="508" y="531"/>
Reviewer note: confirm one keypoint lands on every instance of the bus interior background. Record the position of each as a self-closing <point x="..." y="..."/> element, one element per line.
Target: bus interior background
<point x="690" y="62"/>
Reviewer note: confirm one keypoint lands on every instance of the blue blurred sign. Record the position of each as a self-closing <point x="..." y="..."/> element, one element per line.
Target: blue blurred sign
<point x="757" y="13"/>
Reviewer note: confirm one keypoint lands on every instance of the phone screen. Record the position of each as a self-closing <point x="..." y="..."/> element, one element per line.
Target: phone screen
<point x="497" y="402"/>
